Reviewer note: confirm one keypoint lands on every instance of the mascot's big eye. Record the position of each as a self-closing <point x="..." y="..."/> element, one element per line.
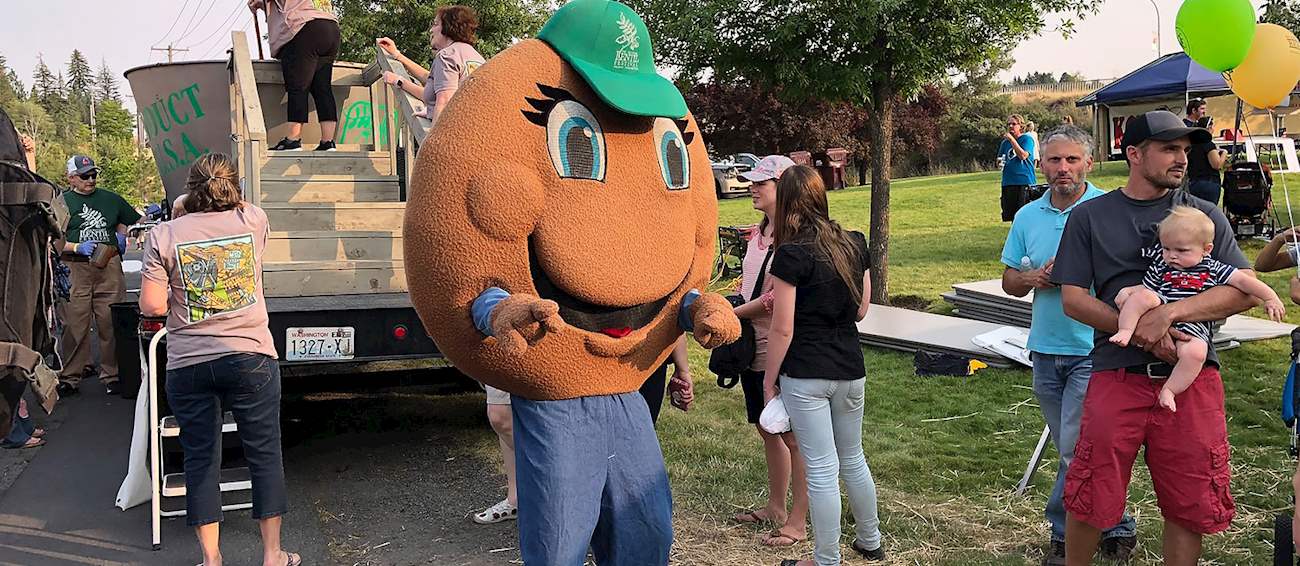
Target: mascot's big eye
<point x="671" y="148"/>
<point x="576" y="142"/>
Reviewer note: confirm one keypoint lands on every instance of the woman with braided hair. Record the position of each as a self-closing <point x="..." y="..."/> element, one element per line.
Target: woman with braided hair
<point x="204" y="272"/>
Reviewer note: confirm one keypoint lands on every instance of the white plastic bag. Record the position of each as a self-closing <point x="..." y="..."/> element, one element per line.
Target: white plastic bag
<point x="774" y="419"/>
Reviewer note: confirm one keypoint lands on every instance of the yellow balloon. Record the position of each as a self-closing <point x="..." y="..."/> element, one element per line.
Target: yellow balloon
<point x="1271" y="68"/>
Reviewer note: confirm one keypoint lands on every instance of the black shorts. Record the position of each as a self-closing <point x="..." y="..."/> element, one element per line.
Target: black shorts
<point x="1013" y="197"/>
<point x="751" y="382"/>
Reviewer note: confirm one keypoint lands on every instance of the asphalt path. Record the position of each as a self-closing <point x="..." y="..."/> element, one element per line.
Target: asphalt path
<point x="374" y="477"/>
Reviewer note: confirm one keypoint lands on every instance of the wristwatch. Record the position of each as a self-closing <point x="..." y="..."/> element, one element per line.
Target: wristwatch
<point x="399" y="83"/>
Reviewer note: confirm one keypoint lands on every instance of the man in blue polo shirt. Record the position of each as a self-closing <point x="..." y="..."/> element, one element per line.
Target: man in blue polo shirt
<point x="1016" y="157"/>
<point x="1059" y="345"/>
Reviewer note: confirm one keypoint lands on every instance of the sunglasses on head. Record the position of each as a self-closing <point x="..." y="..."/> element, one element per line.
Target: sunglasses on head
<point x="88" y="176"/>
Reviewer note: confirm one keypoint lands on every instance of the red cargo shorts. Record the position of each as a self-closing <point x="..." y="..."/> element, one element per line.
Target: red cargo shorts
<point x="1186" y="451"/>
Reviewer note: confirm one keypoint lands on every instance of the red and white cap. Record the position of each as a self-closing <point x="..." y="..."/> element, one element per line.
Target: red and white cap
<point x="80" y="165"/>
<point x="767" y="168"/>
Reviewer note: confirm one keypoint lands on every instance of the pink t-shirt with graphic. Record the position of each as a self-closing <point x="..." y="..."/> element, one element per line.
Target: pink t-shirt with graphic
<point x="211" y="263"/>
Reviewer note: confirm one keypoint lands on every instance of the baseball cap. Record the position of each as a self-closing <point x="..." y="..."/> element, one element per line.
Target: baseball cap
<point x="80" y="165"/>
<point x="1160" y="125"/>
<point x="609" y="46"/>
<point x="770" y="167"/>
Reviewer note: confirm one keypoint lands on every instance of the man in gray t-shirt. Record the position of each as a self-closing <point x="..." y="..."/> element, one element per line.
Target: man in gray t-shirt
<point x="1187" y="450"/>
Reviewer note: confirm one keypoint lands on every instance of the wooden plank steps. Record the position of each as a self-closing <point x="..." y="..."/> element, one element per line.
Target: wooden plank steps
<point x="307" y="278"/>
<point x="308" y="245"/>
<point x="336" y="222"/>
<point x="330" y="188"/>
<point x="335" y="216"/>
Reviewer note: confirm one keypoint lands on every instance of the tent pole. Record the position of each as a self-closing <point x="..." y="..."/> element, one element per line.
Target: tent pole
<point x="1236" y="129"/>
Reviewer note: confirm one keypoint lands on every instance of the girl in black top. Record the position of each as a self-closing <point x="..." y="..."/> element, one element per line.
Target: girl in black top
<point x="820" y="279"/>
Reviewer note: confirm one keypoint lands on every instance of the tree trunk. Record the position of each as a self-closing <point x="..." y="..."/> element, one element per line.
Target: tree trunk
<point x="880" y="134"/>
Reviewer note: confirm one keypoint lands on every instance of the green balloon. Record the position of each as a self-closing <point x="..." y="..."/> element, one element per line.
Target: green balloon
<point x="1216" y="33"/>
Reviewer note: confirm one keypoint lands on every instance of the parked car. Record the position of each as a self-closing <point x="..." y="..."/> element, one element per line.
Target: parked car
<point x="726" y="174"/>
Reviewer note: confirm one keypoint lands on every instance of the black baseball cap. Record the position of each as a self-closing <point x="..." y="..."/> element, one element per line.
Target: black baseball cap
<point x="1160" y="125"/>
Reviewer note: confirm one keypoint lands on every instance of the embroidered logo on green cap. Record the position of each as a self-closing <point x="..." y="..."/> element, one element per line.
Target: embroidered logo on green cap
<point x="627" y="57"/>
<point x="609" y="45"/>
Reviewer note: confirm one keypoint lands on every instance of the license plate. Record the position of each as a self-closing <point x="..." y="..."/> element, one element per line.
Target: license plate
<point x="319" y="343"/>
<point x="1247" y="229"/>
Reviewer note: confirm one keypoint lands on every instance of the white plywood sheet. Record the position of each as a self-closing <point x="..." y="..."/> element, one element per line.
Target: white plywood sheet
<point x="925" y="330"/>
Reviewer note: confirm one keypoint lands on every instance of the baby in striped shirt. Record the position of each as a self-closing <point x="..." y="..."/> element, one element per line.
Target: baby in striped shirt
<point x="1180" y="268"/>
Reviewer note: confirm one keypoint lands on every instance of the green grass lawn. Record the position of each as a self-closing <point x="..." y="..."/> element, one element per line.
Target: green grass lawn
<point x="946" y="486"/>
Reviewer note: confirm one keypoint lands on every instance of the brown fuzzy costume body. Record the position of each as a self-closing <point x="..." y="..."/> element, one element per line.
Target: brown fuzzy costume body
<point x="488" y="208"/>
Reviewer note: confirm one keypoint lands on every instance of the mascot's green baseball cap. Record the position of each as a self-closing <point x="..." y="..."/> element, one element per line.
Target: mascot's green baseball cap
<point x="609" y="45"/>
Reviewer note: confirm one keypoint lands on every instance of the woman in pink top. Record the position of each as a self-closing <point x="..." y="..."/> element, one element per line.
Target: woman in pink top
<point x="304" y="36"/>
<point x="781" y="451"/>
<point x="203" y="271"/>
<point x="452" y="37"/>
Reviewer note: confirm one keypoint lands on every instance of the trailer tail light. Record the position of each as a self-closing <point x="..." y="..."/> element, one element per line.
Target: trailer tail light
<point x="151" y="325"/>
<point x="399" y="332"/>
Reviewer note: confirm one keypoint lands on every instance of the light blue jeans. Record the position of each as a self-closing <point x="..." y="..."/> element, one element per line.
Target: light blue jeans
<point x="1060" y="383"/>
<point x="591" y="474"/>
<point x="826" y="417"/>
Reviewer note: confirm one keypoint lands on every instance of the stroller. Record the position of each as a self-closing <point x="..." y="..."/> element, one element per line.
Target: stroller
<point x="1248" y="200"/>
<point x="1283" y="543"/>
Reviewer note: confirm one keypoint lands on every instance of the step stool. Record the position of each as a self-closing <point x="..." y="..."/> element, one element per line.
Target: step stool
<point x="168" y="489"/>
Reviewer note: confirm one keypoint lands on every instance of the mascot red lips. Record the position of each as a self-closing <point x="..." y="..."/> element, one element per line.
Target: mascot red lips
<point x="591" y="208"/>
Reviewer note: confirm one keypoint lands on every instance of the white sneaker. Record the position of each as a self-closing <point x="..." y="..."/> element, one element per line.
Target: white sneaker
<point x="502" y="511"/>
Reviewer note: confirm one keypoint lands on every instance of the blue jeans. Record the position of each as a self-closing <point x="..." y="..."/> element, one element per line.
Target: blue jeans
<point x="590" y="474"/>
<point x="249" y="386"/>
<point x="1060" y="383"/>
<point x="826" y="417"/>
<point x="20" y="433"/>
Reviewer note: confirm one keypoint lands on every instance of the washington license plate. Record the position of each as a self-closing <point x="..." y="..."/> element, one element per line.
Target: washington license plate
<point x="319" y="343"/>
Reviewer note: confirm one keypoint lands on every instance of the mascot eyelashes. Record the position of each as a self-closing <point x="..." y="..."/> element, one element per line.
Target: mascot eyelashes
<point x="559" y="231"/>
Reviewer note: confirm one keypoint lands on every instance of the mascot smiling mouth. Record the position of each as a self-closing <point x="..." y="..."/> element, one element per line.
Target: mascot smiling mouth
<point x="616" y="322"/>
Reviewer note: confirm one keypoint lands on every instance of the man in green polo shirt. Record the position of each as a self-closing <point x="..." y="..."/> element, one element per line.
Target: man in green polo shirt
<point x="97" y="218"/>
<point x="1060" y="346"/>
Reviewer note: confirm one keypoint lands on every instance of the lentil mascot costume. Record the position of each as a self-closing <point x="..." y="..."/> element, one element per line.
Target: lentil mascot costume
<point x="560" y="224"/>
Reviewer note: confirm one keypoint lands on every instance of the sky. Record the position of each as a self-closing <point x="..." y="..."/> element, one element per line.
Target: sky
<point x="1109" y="44"/>
<point x="119" y="32"/>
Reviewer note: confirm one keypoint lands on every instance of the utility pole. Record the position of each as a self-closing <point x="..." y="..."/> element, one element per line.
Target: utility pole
<point x="1158" y="46"/>
<point x="92" y="119"/>
<point x="169" y="49"/>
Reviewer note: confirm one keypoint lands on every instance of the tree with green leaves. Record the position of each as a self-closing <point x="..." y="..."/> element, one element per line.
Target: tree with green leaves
<point x="80" y="85"/>
<point x="46" y="88"/>
<point x="106" y="85"/>
<point x="407" y="22"/>
<point x="112" y="121"/>
<point x="9" y="89"/>
<point x="869" y="52"/>
<point x="1285" y="13"/>
<point x="81" y="79"/>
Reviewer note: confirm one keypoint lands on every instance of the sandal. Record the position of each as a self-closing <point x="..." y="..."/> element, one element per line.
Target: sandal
<point x="32" y="442"/>
<point x="777" y="538"/>
<point x="502" y="511"/>
<point x="38" y="433"/>
<point x="290" y="559"/>
<point x="751" y="517"/>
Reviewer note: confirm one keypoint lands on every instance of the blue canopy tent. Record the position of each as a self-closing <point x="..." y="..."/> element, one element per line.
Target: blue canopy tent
<point x="1173" y="74"/>
<point x="1167" y="83"/>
